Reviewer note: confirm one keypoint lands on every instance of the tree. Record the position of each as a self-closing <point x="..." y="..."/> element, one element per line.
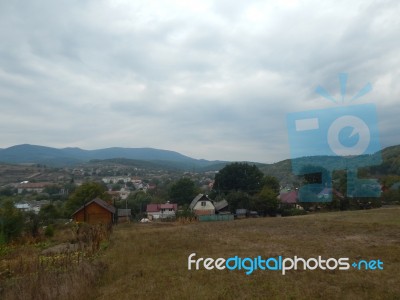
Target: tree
<point x="48" y="213"/>
<point x="85" y="193"/>
<point x="267" y="201"/>
<point x="182" y="191"/>
<point x="116" y="187"/>
<point x="272" y="183"/>
<point x="239" y="177"/>
<point x="239" y="200"/>
<point x="52" y="189"/>
<point x="7" y="191"/>
<point x="138" y="202"/>
<point x="32" y="222"/>
<point x="11" y="221"/>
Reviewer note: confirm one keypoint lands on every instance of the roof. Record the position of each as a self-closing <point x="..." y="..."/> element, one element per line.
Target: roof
<point x="289" y="198"/>
<point x="156" y="207"/>
<point x="197" y="199"/>
<point x="169" y="206"/>
<point x="33" y="185"/>
<point x="152" y="207"/>
<point x="99" y="202"/>
<point x="22" y="205"/>
<point x="221" y="204"/>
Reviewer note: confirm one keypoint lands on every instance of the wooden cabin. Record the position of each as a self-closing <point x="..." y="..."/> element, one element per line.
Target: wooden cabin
<point x="96" y="211"/>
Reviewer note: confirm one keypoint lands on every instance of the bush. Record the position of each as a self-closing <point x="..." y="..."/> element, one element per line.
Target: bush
<point x="185" y="213"/>
<point x="49" y="231"/>
<point x="293" y="212"/>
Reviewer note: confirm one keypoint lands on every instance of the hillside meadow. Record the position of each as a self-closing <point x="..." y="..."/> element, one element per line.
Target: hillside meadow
<point x="150" y="261"/>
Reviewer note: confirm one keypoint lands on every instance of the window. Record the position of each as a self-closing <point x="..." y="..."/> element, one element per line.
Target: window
<point x="203" y="203"/>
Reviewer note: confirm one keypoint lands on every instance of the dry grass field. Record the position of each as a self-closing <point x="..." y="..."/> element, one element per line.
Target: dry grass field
<point x="149" y="261"/>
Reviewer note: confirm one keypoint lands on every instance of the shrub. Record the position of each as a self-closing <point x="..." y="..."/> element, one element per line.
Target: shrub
<point x="49" y="231"/>
<point x="293" y="212"/>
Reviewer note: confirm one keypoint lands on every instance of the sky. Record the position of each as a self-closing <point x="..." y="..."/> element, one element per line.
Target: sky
<point x="209" y="79"/>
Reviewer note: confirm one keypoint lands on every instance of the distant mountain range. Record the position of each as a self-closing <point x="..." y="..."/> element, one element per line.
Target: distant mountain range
<point x="69" y="156"/>
<point x="164" y="159"/>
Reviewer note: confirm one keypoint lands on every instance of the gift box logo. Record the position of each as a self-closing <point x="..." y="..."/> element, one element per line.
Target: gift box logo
<point x="345" y="137"/>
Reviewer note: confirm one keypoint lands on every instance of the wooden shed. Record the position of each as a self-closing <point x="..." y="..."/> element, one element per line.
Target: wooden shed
<point x="96" y="211"/>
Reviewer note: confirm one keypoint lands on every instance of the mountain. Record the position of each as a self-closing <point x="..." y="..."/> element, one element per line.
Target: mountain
<point x="390" y="165"/>
<point x="67" y="156"/>
<point x="168" y="159"/>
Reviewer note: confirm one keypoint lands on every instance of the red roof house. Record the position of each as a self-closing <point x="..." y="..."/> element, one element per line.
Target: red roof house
<point x="161" y="211"/>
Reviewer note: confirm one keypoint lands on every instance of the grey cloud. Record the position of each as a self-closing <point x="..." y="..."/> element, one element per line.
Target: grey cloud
<point x="212" y="84"/>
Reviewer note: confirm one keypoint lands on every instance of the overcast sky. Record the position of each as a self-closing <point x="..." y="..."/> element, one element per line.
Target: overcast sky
<point x="209" y="79"/>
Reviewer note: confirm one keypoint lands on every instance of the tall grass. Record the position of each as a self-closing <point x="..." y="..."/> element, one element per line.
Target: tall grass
<point x="149" y="261"/>
<point x="65" y="271"/>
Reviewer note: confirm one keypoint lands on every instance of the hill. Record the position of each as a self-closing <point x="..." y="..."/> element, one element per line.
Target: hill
<point x="166" y="159"/>
<point x="390" y="165"/>
<point x="68" y="156"/>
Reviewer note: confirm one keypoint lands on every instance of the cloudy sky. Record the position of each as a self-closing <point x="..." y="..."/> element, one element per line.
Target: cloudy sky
<point x="209" y="79"/>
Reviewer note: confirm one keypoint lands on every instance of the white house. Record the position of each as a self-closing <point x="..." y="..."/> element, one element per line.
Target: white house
<point x="202" y="205"/>
<point x="161" y="211"/>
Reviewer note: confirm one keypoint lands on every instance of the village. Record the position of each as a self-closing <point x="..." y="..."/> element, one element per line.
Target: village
<point x="149" y="198"/>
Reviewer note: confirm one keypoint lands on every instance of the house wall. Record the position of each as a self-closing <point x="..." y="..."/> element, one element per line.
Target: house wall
<point x="159" y="215"/>
<point x="208" y="209"/>
<point x="95" y="214"/>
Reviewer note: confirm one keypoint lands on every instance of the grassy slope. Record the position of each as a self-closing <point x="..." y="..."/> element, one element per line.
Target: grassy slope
<point x="149" y="261"/>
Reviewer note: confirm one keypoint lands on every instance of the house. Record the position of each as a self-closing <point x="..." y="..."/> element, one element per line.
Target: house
<point x="161" y="211"/>
<point x="221" y="207"/>
<point x="96" y="211"/>
<point x="202" y="205"/>
<point x="23" y="206"/>
<point x="34" y="206"/>
<point x="288" y="199"/>
<point x="31" y="187"/>
<point x="124" y="215"/>
<point x="122" y="194"/>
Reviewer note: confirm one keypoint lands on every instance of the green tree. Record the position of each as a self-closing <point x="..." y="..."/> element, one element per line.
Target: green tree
<point x="32" y="223"/>
<point x="116" y="187"/>
<point x="85" y="193"/>
<point x="266" y="202"/>
<point x="130" y="185"/>
<point x="239" y="200"/>
<point x="52" y="189"/>
<point x="272" y="183"/>
<point x="137" y="202"/>
<point x="7" y="191"/>
<point x="49" y="213"/>
<point x="239" y="177"/>
<point x="11" y="221"/>
<point x="182" y="191"/>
